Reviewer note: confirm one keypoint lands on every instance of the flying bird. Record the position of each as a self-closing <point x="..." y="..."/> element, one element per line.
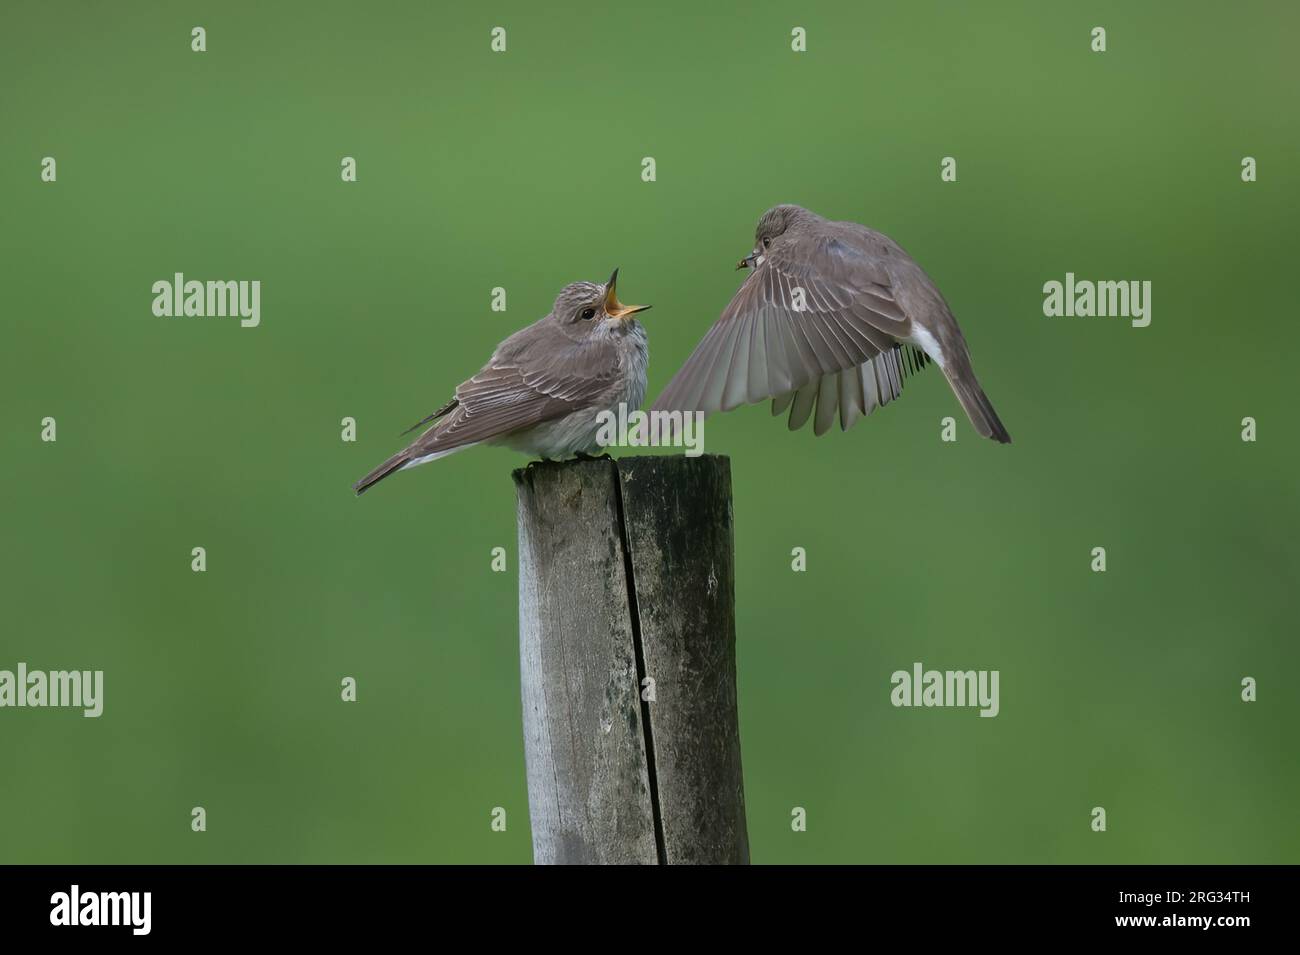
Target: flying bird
<point x="831" y="318"/>
<point x="545" y="386"/>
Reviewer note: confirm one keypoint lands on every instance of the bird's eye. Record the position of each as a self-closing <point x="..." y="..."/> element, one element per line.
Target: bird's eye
<point x="767" y="243"/>
<point x="588" y="314"/>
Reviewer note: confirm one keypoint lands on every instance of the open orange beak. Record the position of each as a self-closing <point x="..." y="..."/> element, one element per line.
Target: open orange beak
<point x="613" y="307"/>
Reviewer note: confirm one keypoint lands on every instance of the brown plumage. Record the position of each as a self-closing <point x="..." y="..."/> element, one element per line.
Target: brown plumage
<point x="867" y="311"/>
<point x="544" y="387"/>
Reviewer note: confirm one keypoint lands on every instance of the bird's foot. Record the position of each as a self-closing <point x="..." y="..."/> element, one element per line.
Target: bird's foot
<point x="584" y="456"/>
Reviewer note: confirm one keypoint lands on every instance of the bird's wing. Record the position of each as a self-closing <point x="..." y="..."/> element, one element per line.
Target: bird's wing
<point x="854" y="392"/>
<point x="441" y="412"/>
<point x="546" y="377"/>
<point x="764" y="346"/>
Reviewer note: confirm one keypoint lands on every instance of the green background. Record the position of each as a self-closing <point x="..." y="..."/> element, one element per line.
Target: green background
<point x="522" y="170"/>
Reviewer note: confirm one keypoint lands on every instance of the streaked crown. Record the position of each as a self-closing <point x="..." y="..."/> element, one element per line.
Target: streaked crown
<point x="574" y="298"/>
<point x="776" y="220"/>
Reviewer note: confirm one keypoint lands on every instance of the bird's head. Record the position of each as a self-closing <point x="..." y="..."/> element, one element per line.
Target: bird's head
<point x="773" y="224"/>
<point x="585" y="309"/>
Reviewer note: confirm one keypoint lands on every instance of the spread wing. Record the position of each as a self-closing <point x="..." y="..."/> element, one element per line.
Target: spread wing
<point x="814" y="307"/>
<point x="535" y="376"/>
<point x="854" y="392"/>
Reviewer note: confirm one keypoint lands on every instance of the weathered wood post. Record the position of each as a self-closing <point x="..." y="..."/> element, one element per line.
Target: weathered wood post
<point x="628" y="661"/>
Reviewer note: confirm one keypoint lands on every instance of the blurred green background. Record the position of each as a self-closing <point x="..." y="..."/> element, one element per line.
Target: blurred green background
<point x="522" y="170"/>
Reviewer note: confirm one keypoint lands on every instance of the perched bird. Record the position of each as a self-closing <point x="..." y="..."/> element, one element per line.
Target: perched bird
<point x="834" y="315"/>
<point x="545" y="385"/>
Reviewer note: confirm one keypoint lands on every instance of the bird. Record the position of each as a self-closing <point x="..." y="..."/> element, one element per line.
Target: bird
<point x="832" y="316"/>
<point x="545" y="387"/>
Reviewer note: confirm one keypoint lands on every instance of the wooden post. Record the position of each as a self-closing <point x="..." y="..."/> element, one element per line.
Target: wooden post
<point x="628" y="661"/>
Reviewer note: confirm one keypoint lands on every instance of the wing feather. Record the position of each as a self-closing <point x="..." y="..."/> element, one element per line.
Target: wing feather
<point x="763" y="347"/>
<point x="543" y="375"/>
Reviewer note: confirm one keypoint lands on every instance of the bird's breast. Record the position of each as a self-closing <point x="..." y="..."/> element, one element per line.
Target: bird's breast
<point x="635" y="357"/>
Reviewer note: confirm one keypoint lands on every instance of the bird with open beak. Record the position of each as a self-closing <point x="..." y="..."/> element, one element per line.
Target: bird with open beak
<point x="545" y="387"/>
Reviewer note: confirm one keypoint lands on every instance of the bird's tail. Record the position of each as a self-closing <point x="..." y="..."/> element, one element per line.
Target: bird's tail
<point x="976" y="404"/>
<point x="395" y="463"/>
